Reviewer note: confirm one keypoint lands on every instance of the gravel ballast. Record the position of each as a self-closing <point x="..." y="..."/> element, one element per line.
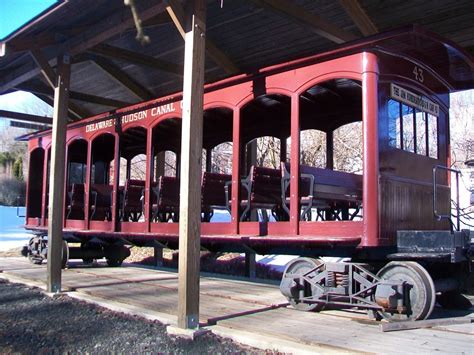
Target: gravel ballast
<point x="33" y="323"/>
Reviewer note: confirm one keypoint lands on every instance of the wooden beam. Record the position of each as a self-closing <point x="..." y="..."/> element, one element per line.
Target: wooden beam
<point x="137" y="58"/>
<point x="115" y="25"/>
<point x="123" y="79"/>
<point x="56" y="186"/>
<point x="44" y="66"/>
<point x="102" y="31"/>
<point x="359" y="16"/>
<point x="176" y="12"/>
<point x="50" y="101"/>
<point x="220" y="58"/>
<point x="26" y="117"/>
<point x="75" y="95"/>
<point x="317" y="24"/>
<point x="190" y="177"/>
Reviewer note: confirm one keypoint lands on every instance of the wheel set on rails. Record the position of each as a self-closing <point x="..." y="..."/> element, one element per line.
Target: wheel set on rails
<point x="398" y="291"/>
<point x="37" y="251"/>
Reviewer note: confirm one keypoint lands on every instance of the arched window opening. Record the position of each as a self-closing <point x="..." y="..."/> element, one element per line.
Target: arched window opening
<point x="76" y="179"/>
<point x="131" y="197"/>
<point x="265" y="124"/>
<point x="35" y="183"/>
<point x="331" y="151"/>
<point x="164" y="172"/>
<point x="101" y="189"/>
<point x="216" y="165"/>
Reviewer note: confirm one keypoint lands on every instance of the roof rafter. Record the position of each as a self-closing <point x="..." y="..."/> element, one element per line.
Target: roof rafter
<point x="75" y="111"/>
<point x="26" y="117"/>
<point x="122" y="78"/>
<point x="359" y="16"/>
<point x="176" y="12"/>
<point x="137" y="58"/>
<point x="318" y="25"/>
<point x="94" y="35"/>
<point x="47" y="71"/>
<point x="74" y="95"/>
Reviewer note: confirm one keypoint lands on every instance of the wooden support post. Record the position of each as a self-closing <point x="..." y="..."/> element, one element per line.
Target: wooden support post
<point x="56" y="186"/>
<point x="160" y="165"/>
<point x="251" y="159"/>
<point x="295" y="165"/>
<point x="190" y="176"/>
<point x="329" y="150"/>
<point x="250" y="265"/>
<point x="209" y="160"/>
<point x="283" y="149"/>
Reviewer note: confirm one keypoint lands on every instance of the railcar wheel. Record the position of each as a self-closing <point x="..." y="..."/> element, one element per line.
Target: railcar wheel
<point x="420" y="293"/>
<point x="296" y="267"/>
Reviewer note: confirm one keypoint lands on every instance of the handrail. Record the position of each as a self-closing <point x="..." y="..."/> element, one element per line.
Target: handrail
<point x="18" y="198"/>
<point x="435" y="185"/>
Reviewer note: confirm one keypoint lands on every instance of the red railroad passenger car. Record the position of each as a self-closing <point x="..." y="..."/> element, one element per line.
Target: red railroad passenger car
<point x="390" y="93"/>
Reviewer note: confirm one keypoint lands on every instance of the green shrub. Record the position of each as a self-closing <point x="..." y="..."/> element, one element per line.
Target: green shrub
<point x="18" y="169"/>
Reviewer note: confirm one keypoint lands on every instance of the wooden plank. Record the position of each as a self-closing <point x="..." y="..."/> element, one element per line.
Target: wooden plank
<point x="137" y="58"/>
<point x="191" y="155"/>
<point x="56" y="186"/>
<point x="316" y="23"/>
<point x="123" y="79"/>
<point x="26" y="117"/>
<point x="359" y="16"/>
<point x="428" y="323"/>
<point x="46" y="69"/>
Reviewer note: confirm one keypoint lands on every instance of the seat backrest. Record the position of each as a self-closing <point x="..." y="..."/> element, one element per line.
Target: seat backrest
<point x="104" y="194"/>
<point x="266" y="185"/>
<point x="305" y="183"/>
<point x="213" y="191"/>
<point x="135" y="182"/>
<point x="133" y="196"/>
<point x="77" y="195"/>
<point x="168" y="191"/>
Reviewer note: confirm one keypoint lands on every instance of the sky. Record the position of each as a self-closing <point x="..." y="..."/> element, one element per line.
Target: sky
<point x="15" y="13"/>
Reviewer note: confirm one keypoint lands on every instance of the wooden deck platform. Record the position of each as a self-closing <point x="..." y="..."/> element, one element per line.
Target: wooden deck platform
<point x="250" y="313"/>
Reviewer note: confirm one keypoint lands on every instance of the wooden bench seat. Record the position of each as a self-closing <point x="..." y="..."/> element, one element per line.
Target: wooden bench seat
<point x="213" y="194"/>
<point x="327" y="190"/>
<point x="133" y="200"/>
<point x="261" y="190"/>
<point x="75" y="202"/>
<point x="165" y="203"/>
<point x="101" y="202"/>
